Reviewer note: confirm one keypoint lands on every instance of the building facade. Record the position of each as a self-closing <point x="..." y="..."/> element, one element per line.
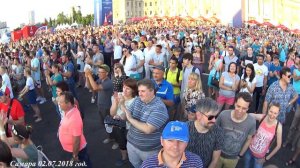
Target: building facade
<point x="275" y="11"/>
<point x="230" y="12"/>
<point x="124" y="10"/>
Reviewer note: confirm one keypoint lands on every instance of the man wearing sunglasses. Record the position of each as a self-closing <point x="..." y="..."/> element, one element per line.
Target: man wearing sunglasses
<point x="238" y="128"/>
<point x="206" y="138"/>
<point x="281" y="92"/>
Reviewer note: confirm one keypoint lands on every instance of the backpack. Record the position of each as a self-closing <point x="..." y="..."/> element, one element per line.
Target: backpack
<point x="193" y="70"/>
<point x="177" y="75"/>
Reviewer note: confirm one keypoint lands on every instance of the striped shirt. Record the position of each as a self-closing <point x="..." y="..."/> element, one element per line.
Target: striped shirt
<point x="154" y="113"/>
<point x="204" y="144"/>
<point x="188" y="160"/>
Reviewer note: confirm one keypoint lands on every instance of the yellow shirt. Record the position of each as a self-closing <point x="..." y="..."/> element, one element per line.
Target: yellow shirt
<point x="171" y="78"/>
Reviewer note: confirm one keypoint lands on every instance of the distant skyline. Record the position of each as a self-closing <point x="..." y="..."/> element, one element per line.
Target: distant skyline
<point x="15" y="12"/>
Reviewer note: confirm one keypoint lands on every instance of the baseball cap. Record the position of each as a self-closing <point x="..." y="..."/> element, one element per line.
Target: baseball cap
<point x="4" y="91"/>
<point x="176" y="130"/>
<point x="160" y="67"/>
<point x="105" y="67"/>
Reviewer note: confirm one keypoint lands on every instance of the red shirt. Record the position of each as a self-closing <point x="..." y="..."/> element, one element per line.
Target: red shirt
<point x="16" y="110"/>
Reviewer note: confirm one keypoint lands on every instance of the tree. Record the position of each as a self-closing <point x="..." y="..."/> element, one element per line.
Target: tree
<point x="45" y="21"/>
<point x="50" y="22"/>
<point x="61" y="18"/>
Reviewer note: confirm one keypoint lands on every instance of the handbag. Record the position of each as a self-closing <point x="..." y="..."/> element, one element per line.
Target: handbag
<point x="109" y="120"/>
<point x="215" y="80"/>
<point x="135" y="76"/>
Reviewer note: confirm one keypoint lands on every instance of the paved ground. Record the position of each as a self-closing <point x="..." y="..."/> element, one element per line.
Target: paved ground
<point x="102" y="156"/>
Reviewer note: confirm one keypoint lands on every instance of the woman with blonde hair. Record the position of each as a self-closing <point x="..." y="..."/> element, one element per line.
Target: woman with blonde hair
<point x="192" y="93"/>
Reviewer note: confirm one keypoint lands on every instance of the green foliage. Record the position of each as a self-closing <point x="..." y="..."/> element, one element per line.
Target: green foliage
<point x="75" y="17"/>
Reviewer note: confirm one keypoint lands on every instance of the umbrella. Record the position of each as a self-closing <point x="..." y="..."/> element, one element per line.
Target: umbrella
<point x="144" y="18"/>
<point x="283" y="27"/>
<point x="214" y="19"/>
<point x="202" y="18"/>
<point x="176" y="18"/>
<point x="296" y="31"/>
<point x="268" y="24"/>
<point x="189" y="18"/>
<point x="253" y="22"/>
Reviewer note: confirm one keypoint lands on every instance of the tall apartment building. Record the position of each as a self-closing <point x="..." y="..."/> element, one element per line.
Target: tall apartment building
<point x="31" y="17"/>
<point x="124" y="10"/>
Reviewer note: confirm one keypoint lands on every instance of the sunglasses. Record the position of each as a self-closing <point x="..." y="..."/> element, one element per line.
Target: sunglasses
<point x="210" y="117"/>
<point x="289" y="76"/>
<point x="14" y="131"/>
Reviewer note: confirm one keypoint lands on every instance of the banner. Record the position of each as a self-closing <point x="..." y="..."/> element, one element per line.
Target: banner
<point x="107" y="14"/>
<point x="42" y="28"/>
<point x="103" y="14"/>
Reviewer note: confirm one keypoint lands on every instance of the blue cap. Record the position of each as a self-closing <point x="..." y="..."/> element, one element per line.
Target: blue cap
<point x="176" y="130"/>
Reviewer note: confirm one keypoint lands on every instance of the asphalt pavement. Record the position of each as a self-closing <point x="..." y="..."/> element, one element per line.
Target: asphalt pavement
<point x="102" y="156"/>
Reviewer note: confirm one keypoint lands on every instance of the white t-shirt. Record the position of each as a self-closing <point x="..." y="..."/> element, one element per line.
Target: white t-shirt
<point x="158" y="58"/>
<point x="30" y="83"/>
<point x="6" y="82"/>
<point x="250" y="84"/>
<point x="120" y="112"/>
<point x="117" y="52"/>
<point x="80" y="58"/>
<point x="148" y="55"/>
<point x="189" y="46"/>
<point x="260" y="72"/>
<point x="129" y="64"/>
<point x="138" y="54"/>
<point x="35" y="63"/>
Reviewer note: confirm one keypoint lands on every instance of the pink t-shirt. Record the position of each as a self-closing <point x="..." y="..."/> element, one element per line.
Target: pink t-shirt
<point x="71" y="125"/>
<point x="261" y="141"/>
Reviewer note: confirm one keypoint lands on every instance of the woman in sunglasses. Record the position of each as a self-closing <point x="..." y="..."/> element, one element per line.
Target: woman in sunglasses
<point x="129" y="62"/>
<point x="22" y="148"/>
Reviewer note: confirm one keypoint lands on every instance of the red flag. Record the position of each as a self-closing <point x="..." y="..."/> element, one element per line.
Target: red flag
<point x="105" y="21"/>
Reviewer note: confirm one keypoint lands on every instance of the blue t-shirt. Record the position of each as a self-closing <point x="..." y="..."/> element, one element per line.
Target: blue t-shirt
<point x="164" y="90"/>
<point x="256" y="48"/>
<point x="56" y="78"/>
<point x="273" y="69"/>
<point x="69" y="67"/>
<point x="296" y="84"/>
<point x="39" y="53"/>
<point x="282" y="56"/>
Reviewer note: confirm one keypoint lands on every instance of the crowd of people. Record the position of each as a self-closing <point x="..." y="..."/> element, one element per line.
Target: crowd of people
<point x="148" y="81"/>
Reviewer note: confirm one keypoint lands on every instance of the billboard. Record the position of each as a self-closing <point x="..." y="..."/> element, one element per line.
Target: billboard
<point x="103" y="12"/>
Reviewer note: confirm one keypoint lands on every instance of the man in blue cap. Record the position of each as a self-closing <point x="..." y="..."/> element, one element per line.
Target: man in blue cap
<point x="174" y="140"/>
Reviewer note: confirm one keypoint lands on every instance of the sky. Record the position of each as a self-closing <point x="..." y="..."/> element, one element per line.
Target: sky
<point x="15" y="12"/>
